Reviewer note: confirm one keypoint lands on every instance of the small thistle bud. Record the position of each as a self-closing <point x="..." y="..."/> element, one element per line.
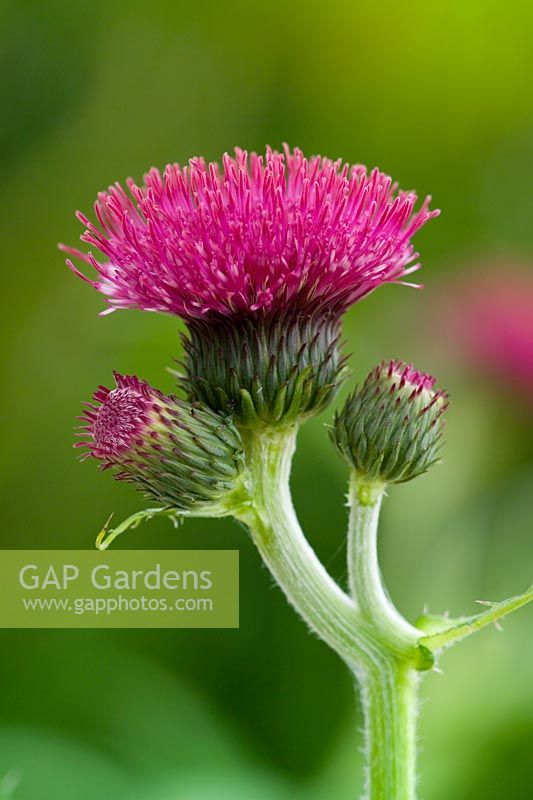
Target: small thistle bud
<point x="185" y="455"/>
<point x="267" y="370"/>
<point x="390" y="429"/>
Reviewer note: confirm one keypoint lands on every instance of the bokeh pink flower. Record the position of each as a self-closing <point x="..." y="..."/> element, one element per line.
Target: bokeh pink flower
<point x="489" y="317"/>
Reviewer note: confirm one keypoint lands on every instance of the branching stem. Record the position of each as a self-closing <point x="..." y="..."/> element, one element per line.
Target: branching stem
<point x="368" y="633"/>
<point x="385" y="653"/>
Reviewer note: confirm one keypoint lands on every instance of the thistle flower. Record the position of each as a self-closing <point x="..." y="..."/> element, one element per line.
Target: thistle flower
<point x="263" y="238"/>
<point x="390" y="429"/>
<point x="186" y="456"/>
<point x="261" y="234"/>
<point x="490" y="322"/>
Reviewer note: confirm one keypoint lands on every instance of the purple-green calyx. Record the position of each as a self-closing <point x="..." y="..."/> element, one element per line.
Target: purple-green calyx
<point x="184" y="455"/>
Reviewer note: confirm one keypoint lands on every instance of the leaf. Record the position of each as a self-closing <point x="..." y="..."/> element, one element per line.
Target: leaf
<point x="108" y="535"/>
<point x="467" y="625"/>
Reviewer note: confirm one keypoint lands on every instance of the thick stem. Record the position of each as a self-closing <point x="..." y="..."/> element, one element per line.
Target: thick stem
<point x="390" y="698"/>
<point x="382" y="655"/>
<point x="327" y="610"/>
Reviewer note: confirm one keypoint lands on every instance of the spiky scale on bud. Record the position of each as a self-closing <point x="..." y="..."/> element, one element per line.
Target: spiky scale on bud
<point x="390" y="429"/>
<point x="267" y="370"/>
<point x="185" y="455"/>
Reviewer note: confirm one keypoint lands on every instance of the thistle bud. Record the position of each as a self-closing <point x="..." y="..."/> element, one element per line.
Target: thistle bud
<point x="390" y="428"/>
<point x="185" y="455"/>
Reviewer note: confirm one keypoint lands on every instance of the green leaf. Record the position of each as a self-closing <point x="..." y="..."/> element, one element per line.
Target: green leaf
<point x="467" y="625"/>
<point x="108" y="535"/>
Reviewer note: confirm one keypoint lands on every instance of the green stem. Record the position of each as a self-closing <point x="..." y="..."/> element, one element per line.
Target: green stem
<point x="389" y="692"/>
<point x="390" y="699"/>
<point x="382" y="657"/>
<point x="365" y="581"/>
<point x="272" y="521"/>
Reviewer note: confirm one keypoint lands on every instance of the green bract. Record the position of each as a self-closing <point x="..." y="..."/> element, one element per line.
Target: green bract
<point x="191" y="461"/>
<point x="264" y="370"/>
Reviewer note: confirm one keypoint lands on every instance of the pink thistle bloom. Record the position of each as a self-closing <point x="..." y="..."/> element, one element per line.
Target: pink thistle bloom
<point x="183" y="454"/>
<point x="400" y="376"/>
<point x="117" y="419"/>
<point x="260" y="234"/>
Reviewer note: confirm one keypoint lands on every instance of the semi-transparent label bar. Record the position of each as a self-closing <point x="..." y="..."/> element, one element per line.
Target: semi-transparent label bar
<point x="119" y="589"/>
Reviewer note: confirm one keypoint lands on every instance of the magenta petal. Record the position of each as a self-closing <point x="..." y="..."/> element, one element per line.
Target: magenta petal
<point x="259" y="234"/>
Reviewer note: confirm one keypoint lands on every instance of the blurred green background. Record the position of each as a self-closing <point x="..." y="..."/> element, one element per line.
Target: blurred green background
<point x="439" y="96"/>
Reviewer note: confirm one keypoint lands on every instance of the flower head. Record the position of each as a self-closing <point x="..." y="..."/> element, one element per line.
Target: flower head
<point x="390" y="429"/>
<point x="184" y="455"/>
<point x="261" y="234"/>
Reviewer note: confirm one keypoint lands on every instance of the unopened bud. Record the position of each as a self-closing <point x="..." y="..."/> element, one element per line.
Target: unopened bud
<point x="390" y="429"/>
<point x="185" y="455"/>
